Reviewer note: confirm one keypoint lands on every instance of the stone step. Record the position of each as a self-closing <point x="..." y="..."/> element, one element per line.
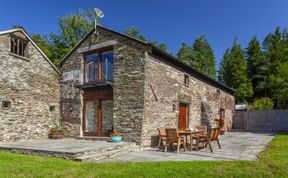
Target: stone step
<point x="121" y="145"/>
<point x="93" y="138"/>
<point x="108" y="153"/>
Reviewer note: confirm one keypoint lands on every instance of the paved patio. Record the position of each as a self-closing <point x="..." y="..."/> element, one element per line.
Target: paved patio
<point x="235" y="146"/>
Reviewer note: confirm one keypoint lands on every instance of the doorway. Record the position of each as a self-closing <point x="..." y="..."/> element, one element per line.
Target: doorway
<point x="183" y="116"/>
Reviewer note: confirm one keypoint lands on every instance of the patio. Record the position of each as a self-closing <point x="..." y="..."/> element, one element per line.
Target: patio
<point x="235" y="146"/>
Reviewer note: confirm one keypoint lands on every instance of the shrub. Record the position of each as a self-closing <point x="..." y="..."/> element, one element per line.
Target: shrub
<point x="264" y="103"/>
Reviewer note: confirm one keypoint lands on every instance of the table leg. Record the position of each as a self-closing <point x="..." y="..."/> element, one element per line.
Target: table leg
<point x="191" y="142"/>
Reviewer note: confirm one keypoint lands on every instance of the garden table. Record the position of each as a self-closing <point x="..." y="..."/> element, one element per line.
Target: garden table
<point x="189" y="133"/>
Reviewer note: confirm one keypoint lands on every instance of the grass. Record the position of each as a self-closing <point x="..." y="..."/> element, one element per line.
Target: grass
<point x="273" y="162"/>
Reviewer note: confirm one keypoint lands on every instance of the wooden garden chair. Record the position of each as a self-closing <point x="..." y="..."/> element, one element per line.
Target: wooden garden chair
<point x="173" y="137"/>
<point x="208" y="138"/>
<point x="162" y="136"/>
<point x="203" y="131"/>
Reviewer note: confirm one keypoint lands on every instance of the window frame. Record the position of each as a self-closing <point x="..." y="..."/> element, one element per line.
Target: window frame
<point x="15" y="48"/>
<point x="186" y="80"/>
<point x="99" y="64"/>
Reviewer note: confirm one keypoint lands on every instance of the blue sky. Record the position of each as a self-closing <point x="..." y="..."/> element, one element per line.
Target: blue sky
<point x="171" y="22"/>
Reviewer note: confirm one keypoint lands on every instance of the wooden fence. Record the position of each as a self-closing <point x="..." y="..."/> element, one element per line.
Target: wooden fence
<point x="261" y="120"/>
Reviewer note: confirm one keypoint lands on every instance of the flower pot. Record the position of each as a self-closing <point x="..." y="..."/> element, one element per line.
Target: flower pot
<point x="55" y="135"/>
<point x="116" y="138"/>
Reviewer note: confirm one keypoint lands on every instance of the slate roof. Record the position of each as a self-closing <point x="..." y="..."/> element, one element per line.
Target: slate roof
<point x="166" y="57"/>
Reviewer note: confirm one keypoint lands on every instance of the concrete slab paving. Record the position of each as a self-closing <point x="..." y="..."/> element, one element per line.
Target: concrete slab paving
<point x="61" y="145"/>
<point x="235" y="146"/>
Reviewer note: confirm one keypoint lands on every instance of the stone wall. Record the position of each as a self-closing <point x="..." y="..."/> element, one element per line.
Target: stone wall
<point x="31" y="86"/>
<point x="128" y="86"/>
<point x="165" y="89"/>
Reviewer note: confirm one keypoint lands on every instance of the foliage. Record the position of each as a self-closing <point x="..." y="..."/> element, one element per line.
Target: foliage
<point x="270" y="163"/>
<point x="56" y="129"/>
<point x="135" y="33"/>
<point x="115" y="133"/>
<point x="258" y="68"/>
<point x="185" y="54"/>
<point x="43" y="43"/>
<point x="200" y="56"/>
<point x="233" y="73"/>
<point x="279" y="84"/>
<point x="264" y="103"/>
<point x="276" y="49"/>
<point x="71" y="29"/>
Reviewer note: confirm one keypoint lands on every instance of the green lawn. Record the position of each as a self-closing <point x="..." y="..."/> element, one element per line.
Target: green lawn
<point x="271" y="163"/>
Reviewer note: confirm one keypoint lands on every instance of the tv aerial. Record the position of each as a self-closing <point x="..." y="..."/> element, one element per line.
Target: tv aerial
<point x="98" y="15"/>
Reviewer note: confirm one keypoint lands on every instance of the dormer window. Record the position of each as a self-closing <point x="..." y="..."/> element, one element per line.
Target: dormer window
<point x="99" y="66"/>
<point x="17" y="46"/>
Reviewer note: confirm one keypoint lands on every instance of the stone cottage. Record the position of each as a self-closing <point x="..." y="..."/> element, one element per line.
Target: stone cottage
<point x="29" y="88"/>
<point x="111" y="81"/>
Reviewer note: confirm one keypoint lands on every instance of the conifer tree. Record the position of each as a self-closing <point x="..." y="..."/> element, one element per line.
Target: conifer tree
<point x="233" y="73"/>
<point x="258" y="68"/>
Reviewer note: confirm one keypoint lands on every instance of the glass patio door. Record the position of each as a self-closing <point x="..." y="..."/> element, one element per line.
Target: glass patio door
<point x="91" y="118"/>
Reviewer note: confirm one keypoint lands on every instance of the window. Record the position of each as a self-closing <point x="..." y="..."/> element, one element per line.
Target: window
<point x="6" y="104"/>
<point x="107" y="65"/>
<point x="52" y="108"/>
<point x="18" y="46"/>
<point x="99" y="66"/>
<point x="186" y="80"/>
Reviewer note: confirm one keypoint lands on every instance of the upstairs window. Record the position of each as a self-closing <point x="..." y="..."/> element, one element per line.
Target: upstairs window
<point x="91" y="66"/>
<point x="186" y="79"/>
<point x="107" y="65"/>
<point x="99" y="67"/>
<point x="17" y="46"/>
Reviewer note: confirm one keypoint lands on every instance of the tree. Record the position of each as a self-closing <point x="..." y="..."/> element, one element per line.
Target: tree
<point x="44" y="45"/>
<point x="200" y="56"/>
<point x="279" y="85"/>
<point x="135" y="33"/>
<point x="264" y="103"/>
<point x="203" y="57"/>
<point x="71" y="29"/>
<point x="185" y="54"/>
<point x="258" y="68"/>
<point x="233" y="73"/>
<point x="162" y="46"/>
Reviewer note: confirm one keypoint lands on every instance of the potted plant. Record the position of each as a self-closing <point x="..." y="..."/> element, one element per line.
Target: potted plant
<point x="220" y="125"/>
<point x="115" y="136"/>
<point x="56" y="132"/>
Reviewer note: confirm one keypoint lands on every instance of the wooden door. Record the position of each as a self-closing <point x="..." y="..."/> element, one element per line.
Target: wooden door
<point x="183" y="115"/>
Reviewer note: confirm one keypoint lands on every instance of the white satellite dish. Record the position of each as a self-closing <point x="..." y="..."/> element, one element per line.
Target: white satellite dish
<point x="98" y="15"/>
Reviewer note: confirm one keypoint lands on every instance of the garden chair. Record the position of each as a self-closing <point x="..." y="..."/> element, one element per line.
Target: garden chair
<point x="208" y="138"/>
<point x="162" y="136"/>
<point x="173" y="137"/>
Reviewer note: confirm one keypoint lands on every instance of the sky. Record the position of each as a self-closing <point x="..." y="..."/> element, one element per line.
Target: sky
<point x="167" y="21"/>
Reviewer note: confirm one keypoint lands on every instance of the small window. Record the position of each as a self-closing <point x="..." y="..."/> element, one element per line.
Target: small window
<point x="52" y="108"/>
<point x="6" y="104"/>
<point x="186" y="80"/>
<point x="18" y="46"/>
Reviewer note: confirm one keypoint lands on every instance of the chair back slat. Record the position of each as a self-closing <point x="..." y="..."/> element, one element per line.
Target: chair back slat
<point x="202" y="128"/>
<point x="172" y="134"/>
<point x="162" y="131"/>
<point x="214" y="134"/>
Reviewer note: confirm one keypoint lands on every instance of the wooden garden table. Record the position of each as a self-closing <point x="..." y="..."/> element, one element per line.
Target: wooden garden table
<point x="189" y="133"/>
